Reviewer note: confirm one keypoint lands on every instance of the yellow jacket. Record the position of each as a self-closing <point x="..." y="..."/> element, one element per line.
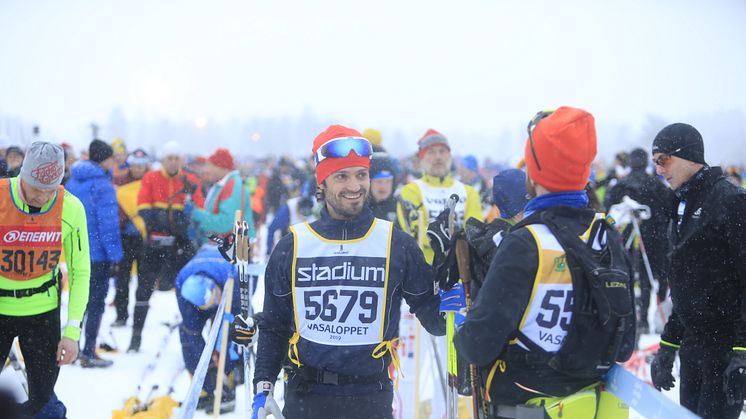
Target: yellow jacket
<point x="416" y="224"/>
<point x="127" y="197"/>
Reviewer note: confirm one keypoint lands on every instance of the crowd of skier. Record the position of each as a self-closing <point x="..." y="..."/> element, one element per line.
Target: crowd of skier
<point x="520" y="267"/>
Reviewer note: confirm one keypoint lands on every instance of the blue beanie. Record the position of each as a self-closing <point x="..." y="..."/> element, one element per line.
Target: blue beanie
<point x="509" y="192"/>
<point x="470" y="162"/>
<point x="197" y="289"/>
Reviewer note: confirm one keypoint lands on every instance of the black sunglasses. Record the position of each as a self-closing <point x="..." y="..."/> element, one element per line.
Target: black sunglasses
<point x="531" y="125"/>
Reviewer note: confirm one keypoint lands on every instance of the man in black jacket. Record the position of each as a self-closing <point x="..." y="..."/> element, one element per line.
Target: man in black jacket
<point x="332" y="296"/>
<point x="382" y="187"/>
<point x="708" y="273"/>
<point x="524" y="310"/>
<point x="647" y="190"/>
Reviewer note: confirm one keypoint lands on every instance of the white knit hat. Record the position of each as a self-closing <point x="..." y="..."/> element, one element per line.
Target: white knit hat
<point x="43" y="166"/>
<point x="171" y="148"/>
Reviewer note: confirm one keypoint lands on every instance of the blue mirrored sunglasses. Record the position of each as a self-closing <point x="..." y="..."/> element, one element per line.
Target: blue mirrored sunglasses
<point x="342" y="147"/>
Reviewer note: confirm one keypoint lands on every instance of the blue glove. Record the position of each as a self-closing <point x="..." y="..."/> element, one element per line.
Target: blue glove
<point x="453" y="299"/>
<point x="188" y="207"/>
<point x="459" y="319"/>
<point x="259" y="400"/>
<point x="264" y="405"/>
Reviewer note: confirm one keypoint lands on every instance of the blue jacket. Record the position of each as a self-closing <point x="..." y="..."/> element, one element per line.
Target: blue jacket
<point x="208" y="261"/>
<point x="92" y="185"/>
<point x="410" y="278"/>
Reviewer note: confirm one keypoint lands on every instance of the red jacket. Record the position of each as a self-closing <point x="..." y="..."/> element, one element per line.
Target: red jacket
<point x="161" y="201"/>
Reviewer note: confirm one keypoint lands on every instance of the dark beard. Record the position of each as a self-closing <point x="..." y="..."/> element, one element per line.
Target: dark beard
<point x="346" y="213"/>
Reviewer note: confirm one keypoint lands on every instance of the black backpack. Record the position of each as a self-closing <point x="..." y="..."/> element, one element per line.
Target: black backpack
<point x="602" y="329"/>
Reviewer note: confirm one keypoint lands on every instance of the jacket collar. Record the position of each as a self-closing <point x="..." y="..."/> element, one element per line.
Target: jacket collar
<point x="443" y="182"/>
<point x="699" y="182"/>
<point x="334" y="229"/>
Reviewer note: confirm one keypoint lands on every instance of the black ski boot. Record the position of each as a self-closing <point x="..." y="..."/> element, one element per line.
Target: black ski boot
<point x="94" y="361"/>
<point x="138" y="323"/>
<point x="119" y="322"/>
<point x="135" y="341"/>
<point x="227" y="402"/>
<point x="205" y="400"/>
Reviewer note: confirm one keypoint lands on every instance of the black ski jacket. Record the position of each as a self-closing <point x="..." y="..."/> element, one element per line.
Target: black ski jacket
<point x="650" y="191"/>
<point x="496" y="313"/>
<point x="708" y="261"/>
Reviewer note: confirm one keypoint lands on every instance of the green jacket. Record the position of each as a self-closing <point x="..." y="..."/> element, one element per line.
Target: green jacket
<point x="77" y="259"/>
<point x="221" y="203"/>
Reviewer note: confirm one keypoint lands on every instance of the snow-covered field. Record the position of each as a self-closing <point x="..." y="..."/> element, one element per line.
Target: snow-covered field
<point x="95" y="393"/>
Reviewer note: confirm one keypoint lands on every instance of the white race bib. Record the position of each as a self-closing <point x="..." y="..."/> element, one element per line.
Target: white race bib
<point x="339" y="286"/>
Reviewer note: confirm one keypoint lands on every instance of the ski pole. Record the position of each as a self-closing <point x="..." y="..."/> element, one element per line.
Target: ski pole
<point x="646" y="262"/>
<point x="464" y="270"/>
<point x="150" y="367"/>
<point x="18" y="367"/>
<point x="228" y="291"/>
<point x="241" y="243"/>
<point x="452" y="395"/>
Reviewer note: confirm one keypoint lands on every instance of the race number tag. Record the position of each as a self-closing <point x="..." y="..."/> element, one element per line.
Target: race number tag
<point x="28" y="252"/>
<point x="340" y="293"/>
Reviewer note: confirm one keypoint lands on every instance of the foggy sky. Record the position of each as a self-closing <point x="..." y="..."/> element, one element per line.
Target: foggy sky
<point x="475" y="70"/>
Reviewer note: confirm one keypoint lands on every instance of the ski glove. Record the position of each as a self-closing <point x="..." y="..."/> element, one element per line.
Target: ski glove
<point x="662" y="366"/>
<point x="189" y="187"/>
<point x="264" y="404"/>
<point x="453" y="299"/>
<point x="734" y="379"/>
<point x="242" y="331"/>
<point x="439" y="235"/>
<point x="226" y="246"/>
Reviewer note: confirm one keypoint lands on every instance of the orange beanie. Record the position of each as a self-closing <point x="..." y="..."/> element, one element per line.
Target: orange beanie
<point x="565" y="146"/>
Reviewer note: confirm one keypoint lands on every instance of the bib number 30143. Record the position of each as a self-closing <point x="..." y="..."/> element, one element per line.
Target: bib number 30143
<point x="28" y="261"/>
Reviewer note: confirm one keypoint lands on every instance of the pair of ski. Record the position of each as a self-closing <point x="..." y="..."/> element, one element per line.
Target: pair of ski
<point x="242" y="260"/>
<point x="137" y="404"/>
<point x="461" y="248"/>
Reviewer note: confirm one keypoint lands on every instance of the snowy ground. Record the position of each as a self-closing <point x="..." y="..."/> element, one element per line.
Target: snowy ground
<point x="95" y="393"/>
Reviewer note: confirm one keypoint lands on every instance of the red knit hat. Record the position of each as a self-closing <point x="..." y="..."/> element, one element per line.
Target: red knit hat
<point x="222" y="158"/>
<point x="431" y="138"/>
<point x="565" y="146"/>
<point x="330" y="165"/>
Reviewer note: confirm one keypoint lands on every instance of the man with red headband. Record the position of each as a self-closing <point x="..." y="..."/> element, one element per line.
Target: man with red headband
<point x="423" y="199"/>
<point x="333" y="292"/>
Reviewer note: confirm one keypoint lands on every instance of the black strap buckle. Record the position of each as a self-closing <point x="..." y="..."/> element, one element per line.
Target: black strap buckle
<point x="327" y="377"/>
<point x="24" y="292"/>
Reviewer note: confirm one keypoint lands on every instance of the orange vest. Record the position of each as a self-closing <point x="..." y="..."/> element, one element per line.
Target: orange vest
<point x="30" y="244"/>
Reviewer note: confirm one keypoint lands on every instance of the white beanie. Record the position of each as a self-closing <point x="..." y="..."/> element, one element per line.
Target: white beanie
<point x="171" y="148"/>
<point x="43" y="166"/>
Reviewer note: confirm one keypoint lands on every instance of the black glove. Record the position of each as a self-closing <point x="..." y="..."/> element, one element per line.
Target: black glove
<point x="662" y="366"/>
<point x="439" y="235"/>
<point x="226" y="246"/>
<point x="189" y="187"/>
<point x="734" y="378"/>
<point x="242" y="331"/>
